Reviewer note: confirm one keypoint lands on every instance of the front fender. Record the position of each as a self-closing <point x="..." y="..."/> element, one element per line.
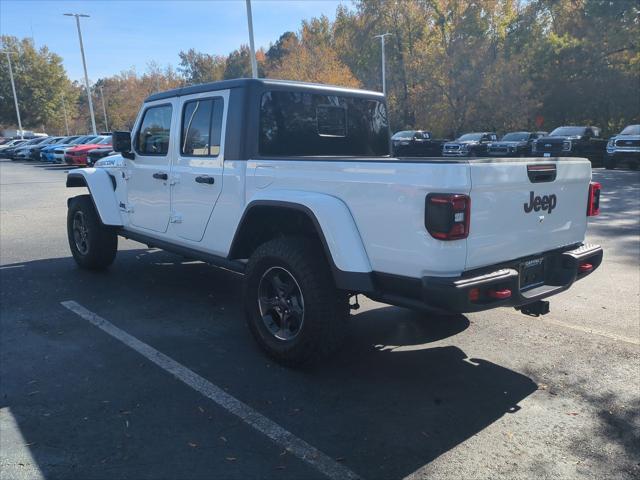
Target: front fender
<point x="101" y="186"/>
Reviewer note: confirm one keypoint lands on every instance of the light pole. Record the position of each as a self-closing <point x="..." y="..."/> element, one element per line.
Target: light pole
<point x="104" y="110"/>
<point x="13" y="87"/>
<point x="84" y="65"/>
<point x="252" y="47"/>
<point x="64" y="109"/>
<point x="384" y="78"/>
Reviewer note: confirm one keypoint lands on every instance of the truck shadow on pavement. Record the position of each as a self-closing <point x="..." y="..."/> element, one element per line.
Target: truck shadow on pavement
<point x="386" y="405"/>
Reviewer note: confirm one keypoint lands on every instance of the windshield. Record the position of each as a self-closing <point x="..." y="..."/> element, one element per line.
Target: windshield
<point x="567" y="131"/>
<point x="105" y="141"/>
<point x="470" y="136"/>
<point x="69" y="139"/>
<point x="631" y="130"/>
<point x="403" y="134"/>
<point x="516" y="137"/>
<point x="87" y="140"/>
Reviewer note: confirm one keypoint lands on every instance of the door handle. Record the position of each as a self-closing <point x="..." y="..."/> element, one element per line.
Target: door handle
<point x="206" y="179"/>
<point x="160" y="176"/>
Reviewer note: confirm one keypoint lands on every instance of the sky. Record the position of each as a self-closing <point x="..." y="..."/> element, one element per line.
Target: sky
<point x="121" y="34"/>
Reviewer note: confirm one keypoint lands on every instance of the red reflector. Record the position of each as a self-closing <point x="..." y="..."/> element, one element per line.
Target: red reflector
<point x="500" y="294"/>
<point x="593" y="205"/>
<point x="474" y="294"/>
<point x="585" y="267"/>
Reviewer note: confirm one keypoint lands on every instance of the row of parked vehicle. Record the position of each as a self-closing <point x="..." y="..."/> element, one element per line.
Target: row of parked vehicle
<point x="80" y="150"/>
<point x="569" y="141"/>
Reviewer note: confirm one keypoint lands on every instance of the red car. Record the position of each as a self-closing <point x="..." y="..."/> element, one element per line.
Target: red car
<point x="78" y="155"/>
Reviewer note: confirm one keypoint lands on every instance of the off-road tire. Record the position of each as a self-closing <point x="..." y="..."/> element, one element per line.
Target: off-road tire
<point x="326" y="309"/>
<point x="101" y="240"/>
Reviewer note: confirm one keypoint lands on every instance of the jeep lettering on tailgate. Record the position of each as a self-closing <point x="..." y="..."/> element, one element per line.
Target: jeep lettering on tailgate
<point x="537" y="203"/>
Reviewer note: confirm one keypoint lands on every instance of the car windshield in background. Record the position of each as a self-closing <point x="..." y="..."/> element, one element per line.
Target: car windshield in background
<point x="470" y="136"/>
<point x="631" y="130"/>
<point x="302" y="123"/>
<point x="567" y="131"/>
<point x="105" y="141"/>
<point x="403" y="134"/>
<point x="88" y="140"/>
<point x="516" y="137"/>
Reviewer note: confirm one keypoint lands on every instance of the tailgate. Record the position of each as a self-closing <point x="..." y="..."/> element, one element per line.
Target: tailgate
<point x="518" y="209"/>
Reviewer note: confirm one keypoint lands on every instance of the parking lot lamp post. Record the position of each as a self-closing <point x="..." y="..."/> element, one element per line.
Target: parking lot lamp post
<point x="104" y="110"/>
<point x="64" y="109"/>
<point x="13" y="87"/>
<point x="84" y="65"/>
<point x="252" y="47"/>
<point x="384" y="79"/>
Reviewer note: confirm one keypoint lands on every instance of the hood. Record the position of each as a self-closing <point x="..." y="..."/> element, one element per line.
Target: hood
<point x="556" y="139"/>
<point x="509" y="143"/>
<point x="463" y="142"/>
<point x="87" y="147"/>
<point x="626" y="137"/>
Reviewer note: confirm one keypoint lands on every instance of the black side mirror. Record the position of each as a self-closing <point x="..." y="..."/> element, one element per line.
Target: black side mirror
<point x="121" y="142"/>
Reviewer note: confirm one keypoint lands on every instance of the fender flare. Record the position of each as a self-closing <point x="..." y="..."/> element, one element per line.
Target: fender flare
<point x="339" y="235"/>
<point x="101" y="187"/>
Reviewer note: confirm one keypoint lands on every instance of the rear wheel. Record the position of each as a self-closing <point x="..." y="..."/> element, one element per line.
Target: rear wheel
<point x="292" y="306"/>
<point x="609" y="163"/>
<point x="93" y="245"/>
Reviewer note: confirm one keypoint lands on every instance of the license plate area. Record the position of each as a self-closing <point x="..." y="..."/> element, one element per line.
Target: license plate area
<point x="532" y="273"/>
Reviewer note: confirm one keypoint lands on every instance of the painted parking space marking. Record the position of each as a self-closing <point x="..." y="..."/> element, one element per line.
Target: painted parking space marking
<point x="296" y="446"/>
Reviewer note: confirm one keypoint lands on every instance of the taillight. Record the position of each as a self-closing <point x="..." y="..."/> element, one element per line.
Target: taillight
<point x="593" y="207"/>
<point x="447" y="215"/>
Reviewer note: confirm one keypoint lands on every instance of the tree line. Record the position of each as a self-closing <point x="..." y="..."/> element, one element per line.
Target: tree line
<point x="452" y="66"/>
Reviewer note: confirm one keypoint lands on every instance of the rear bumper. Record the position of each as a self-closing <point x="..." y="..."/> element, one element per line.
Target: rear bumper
<point x="454" y="294"/>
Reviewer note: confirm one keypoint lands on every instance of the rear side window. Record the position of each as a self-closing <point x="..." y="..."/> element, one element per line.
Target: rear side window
<point x="153" y="136"/>
<point x="201" y="127"/>
<point x="309" y="124"/>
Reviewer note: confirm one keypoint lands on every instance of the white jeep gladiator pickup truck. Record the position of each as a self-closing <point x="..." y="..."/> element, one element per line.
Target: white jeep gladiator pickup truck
<point x="293" y="186"/>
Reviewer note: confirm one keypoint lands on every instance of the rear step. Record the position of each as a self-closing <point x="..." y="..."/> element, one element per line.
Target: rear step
<point x="535" y="309"/>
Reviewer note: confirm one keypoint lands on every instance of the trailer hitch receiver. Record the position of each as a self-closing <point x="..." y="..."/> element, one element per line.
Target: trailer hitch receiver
<point x="535" y="309"/>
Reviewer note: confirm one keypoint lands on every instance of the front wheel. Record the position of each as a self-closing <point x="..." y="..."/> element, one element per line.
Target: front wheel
<point x="292" y="306"/>
<point x="93" y="245"/>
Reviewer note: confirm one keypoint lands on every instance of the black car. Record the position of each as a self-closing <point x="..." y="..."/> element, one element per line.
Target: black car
<point x="516" y="144"/>
<point x="96" y="154"/>
<point x="469" y="145"/>
<point x="416" y="143"/>
<point x="572" y="142"/>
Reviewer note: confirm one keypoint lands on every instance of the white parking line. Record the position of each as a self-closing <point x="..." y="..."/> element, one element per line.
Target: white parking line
<point x="275" y="432"/>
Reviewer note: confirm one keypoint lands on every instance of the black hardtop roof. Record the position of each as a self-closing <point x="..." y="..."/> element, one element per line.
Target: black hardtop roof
<point x="261" y="83"/>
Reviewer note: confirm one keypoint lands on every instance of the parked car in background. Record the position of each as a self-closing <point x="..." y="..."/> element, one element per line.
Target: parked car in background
<point x="514" y="144"/>
<point x="59" y="152"/>
<point x="46" y="152"/>
<point x="469" y="145"/>
<point x="10" y="144"/>
<point x="572" y="141"/>
<point x="17" y="153"/>
<point x="78" y="155"/>
<point x="416" y="143"/>
<point x="97" y="153"/>
<point x="36" y="151"/>
<point x="624" y="147"/>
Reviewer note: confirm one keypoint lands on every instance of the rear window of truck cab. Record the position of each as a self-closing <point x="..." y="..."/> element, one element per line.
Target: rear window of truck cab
<point x="315" y="124"/>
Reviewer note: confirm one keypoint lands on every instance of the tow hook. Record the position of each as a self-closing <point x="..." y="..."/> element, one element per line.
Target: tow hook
<point x="535" y="309"/>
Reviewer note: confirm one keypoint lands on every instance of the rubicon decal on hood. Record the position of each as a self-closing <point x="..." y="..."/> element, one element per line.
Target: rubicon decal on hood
<point x="537" y="203"/>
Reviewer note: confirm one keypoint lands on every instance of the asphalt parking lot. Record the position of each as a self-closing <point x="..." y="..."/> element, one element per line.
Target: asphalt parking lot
<point x="143" y="374"/>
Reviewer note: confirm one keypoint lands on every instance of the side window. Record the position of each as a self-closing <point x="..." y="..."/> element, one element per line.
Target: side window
<point x="201" y="127"/>
<point x="153" y="135"/>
